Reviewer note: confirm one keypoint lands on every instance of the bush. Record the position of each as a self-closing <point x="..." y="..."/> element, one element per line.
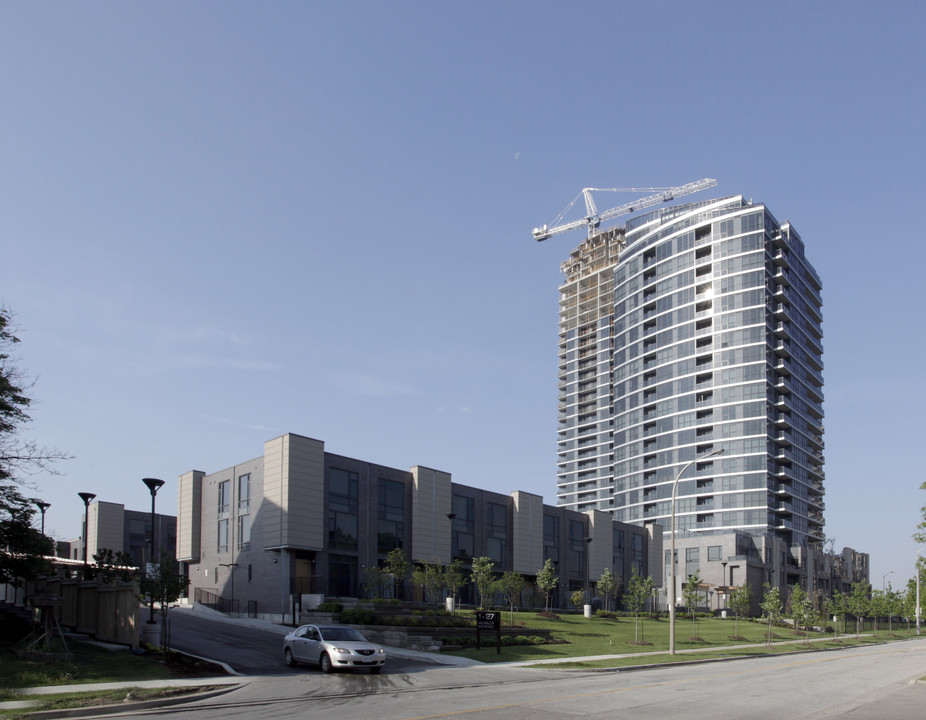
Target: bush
<point x="330" y="606"/>
<point x="357" y="616"/>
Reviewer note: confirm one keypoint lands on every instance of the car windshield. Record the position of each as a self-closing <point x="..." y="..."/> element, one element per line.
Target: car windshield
<point x="344" y="634"/>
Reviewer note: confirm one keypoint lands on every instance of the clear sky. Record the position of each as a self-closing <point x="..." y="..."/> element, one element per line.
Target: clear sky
<point x="224" y="221"/>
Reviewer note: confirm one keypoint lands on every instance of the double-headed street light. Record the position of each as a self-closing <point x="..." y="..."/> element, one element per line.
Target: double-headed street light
<point x="153" y="484"/>
<point x="918" y="588"/>
<point x="86" y="497"/>
<point x="42" y="506"/>
<point x="678" y="477"/>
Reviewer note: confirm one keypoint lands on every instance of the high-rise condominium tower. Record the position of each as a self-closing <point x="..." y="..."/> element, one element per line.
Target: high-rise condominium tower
<point x="690" y="329"/>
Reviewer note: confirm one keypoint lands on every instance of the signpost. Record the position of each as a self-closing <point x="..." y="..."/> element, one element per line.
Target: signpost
<point x="489" y="620"/>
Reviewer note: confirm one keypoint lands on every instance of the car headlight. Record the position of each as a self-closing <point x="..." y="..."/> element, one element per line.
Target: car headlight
<point x="343" y="651"/>
<point x="381" y="651"/>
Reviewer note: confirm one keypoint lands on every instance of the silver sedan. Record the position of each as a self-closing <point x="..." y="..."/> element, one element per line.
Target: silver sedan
<point x="332" y="647"/>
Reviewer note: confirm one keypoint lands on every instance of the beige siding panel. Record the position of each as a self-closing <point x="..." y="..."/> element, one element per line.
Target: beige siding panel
<point x="294" y="493"/>
<point x="527" y="532"/>
<point x="105" y="528"/>
<point x="431" y="502"/>
<point x="273" y="502"/>
<point x="189" y="516"/>
<point x="305" y="517"/>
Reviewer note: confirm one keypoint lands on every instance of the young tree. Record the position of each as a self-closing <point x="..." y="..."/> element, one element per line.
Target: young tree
<point x="547" y="581"/>
<point x="397" y="564"/>
<point x="454" y="578"/>
<point x="112" y="566"/>
<point x="22" y="547"/>
<point x="510" y="585"/>
<point x="894" y="601"/>
<point x="164" y="587"/>
<point x="428" y="578"/>
<point x="837" y="607"/>
<point x="375" y="578"/>
<point x="859" y="603"/>
<point x="483" y="576"/>
<point x="692" y="595"/>
<point x="878" y="608"/>
<point x="577" y="598"/>
<point x="771" y="609"/>
<point x="802" y="610"/>
<point x="606" y="586"/>
<point x="638" y="591"/>
<point x="740" y="603"/>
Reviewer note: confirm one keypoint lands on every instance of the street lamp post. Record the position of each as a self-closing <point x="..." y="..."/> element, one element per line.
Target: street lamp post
<point x="883" y="578"/>
<point x="918" y="588"/>
<point x="86" y="497"/>
<point x="153" y="484"/>
<point x="42" y="506"/>
<point x="672" y="550"/>
<point x="588" y="595"/>
<point x="452" y="600"/>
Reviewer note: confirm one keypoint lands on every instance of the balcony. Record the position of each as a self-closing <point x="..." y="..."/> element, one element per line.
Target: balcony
<point x="783" y="330"/>
<point x="782" y="276"/>
<point x="780" y="311"/>
<point x="781" y="258"/>
<point x="783" y="348"/>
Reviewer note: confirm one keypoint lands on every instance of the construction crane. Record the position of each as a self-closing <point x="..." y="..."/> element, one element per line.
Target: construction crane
<point x="593" y="218"/>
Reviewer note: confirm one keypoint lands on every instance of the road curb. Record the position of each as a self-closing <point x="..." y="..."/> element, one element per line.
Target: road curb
<point x="133" y="706"/>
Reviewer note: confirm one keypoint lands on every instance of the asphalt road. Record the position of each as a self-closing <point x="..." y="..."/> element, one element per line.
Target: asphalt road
<point x="247" y="649"/>
<point x="868" y="683"/>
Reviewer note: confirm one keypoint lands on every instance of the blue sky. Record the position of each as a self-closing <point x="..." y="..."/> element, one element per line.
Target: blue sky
<point x="223" y="221"/>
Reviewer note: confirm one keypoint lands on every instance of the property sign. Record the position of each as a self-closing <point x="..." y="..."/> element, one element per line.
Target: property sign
<point x="489" y="620"/>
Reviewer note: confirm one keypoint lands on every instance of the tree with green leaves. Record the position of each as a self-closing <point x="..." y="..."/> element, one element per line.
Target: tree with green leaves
<point x="397" y="564"/>
<point x="803" y="613"/>
<point x="577" y="598"/>
<point x="878" y="608"/>
<point x="111" y="566"/>
<point x="454" y="578"/>
<point x="638" y="592"/>
<point x="771" y="609"/>
<point x="483" y="575"/>
<point x="894" y="605"/>
<point x="692" y="594"/>
<point x="375" y="579"/>
<point x="837" y="606"/>
<point x="606" y="585"/>
<point x="428" y="578"/>
<point x="740" y="603"/>
<point x="860" y="603"/>
<point x="510" y="584"/>
<point x="23" y="548"/>
<point x="163" y="587"/>
<point x="547" y="581"/>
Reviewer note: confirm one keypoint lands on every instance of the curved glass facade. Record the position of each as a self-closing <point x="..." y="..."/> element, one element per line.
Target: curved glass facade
<point x="691" y="329"/>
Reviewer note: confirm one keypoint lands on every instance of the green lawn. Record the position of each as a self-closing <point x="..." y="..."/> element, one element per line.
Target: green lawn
<point x="580" y="637"/>
<point x="86" y="664"/>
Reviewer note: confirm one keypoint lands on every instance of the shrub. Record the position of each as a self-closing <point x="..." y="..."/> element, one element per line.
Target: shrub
<point x="357" y="616"/>
<point x="330" y="606"/>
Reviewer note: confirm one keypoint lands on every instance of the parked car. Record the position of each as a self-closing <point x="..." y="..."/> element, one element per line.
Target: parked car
<point x="332" y="647"/>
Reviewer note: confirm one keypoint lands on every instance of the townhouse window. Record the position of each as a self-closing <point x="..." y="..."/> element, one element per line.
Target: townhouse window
<point x="343" y="526"/>
<point x="391" y="519"/>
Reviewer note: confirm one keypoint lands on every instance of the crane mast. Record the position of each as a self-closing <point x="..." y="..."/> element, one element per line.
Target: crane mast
<point x="593" y="218"/>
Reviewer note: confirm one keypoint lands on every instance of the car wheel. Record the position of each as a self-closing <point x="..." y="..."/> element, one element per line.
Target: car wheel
<point x="375" y="670"/>
<point x="325" y="663"/>
<point x="288" y="658"/>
